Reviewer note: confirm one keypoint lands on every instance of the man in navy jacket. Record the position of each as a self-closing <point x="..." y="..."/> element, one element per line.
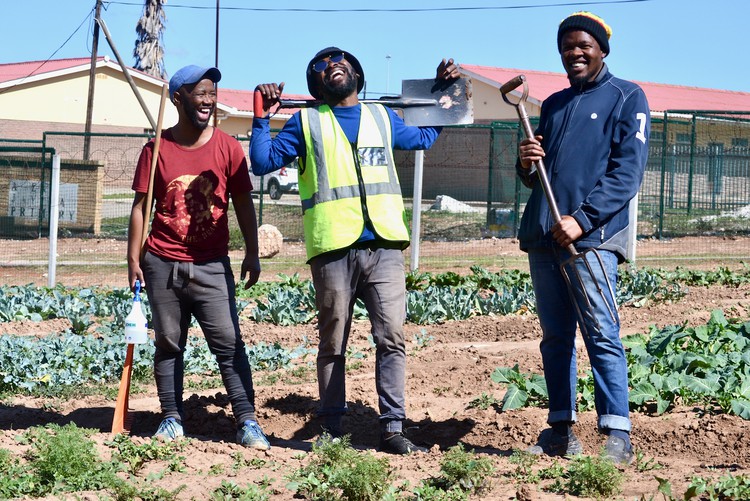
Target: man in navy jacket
<point x="593" y="138"/>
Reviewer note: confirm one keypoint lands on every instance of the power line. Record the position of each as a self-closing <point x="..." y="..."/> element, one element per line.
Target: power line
<point x="426" y="9"/>
<point x="88" y="16"/>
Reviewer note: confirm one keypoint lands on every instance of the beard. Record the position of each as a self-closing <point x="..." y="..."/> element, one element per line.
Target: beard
<point x="343" y="89"/>
<point x="578" y="80"/>
<point x="192" y="113"/>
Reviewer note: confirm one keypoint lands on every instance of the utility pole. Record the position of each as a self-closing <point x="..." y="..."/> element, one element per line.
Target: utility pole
<point x="387" y="72"/>
<point x="92" y="81"/>
<point x="216" y="64"/>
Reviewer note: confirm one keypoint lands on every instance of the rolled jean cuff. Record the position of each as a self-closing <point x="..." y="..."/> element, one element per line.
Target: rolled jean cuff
<point x="612" y="422"/>
<point x="558" y="416"/>
<point x="391" y="426"/>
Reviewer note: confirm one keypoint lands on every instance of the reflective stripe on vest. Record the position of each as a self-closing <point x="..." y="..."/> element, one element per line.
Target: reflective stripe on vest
<point x="329" y="186"/>
<point x="324" y="192"/>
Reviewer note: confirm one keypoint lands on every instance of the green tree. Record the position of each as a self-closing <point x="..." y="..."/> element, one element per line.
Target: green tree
<point x="149" y="51"/>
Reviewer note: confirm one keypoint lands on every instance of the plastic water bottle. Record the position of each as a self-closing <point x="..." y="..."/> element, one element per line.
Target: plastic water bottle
<point x="136" y="326"/>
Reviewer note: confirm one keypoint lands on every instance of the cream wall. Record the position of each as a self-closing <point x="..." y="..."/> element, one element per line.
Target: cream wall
<point x="64" y="99"/>
<point x="239" y="125"/>
<point x="489" y="105"/>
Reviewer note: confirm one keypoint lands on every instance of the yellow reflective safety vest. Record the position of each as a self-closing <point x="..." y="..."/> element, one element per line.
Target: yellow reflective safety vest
<point x="341" y="185"/>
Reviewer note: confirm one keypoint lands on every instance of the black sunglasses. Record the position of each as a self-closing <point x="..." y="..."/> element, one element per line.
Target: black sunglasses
<point x="322" y="64"/>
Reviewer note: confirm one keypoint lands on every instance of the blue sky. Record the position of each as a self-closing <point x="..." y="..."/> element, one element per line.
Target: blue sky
<point x="681" y="42"/>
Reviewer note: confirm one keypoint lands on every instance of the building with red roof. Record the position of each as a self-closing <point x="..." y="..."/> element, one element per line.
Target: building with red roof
<point x="38" y="96"/>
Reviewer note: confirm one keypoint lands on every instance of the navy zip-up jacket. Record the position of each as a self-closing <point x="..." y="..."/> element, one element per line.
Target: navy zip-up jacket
<point x="595" y="139"/>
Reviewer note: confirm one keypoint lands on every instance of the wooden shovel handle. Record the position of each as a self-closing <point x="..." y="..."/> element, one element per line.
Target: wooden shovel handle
<point x="152" y="173"/>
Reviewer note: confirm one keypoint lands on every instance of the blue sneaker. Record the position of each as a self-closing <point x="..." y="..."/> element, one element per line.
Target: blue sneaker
<point x="250" y="435"/>
<point x="169" y="429"/>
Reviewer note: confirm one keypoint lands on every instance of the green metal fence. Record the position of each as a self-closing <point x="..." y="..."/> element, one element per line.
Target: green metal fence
<point x="697" y="182"/>
<point x="698" y="177"/>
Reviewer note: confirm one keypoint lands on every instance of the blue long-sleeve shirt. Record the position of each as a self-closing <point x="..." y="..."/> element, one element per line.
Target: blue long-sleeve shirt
<point x="269" y="154"/>
<point x="595" y="140"/>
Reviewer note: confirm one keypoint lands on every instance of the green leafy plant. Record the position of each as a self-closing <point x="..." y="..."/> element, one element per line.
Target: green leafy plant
<point x="337" y="471"/>
<point x="287" y="305"/>
<point x="64" y="458"/>
<point x="230" y="491"/>
<point x="483" y="402"/>
<point x="593" y="476"/>
<point x="646" y="464"/>
<point x="637" y="287"/>
<point x="724" y="488"/>
<point x="239" y="462"/>
<point x="462" y="473"/>
<point x="522" y="390"/>
<point x="707" y="365"/>
<point x="52" y="364"/>
<point x="15" y="479"/>
<point x="144" y="491"/>
<point x="422" y="339"/>
<point x="135" y="456"/>
<point x="523" y="470"/>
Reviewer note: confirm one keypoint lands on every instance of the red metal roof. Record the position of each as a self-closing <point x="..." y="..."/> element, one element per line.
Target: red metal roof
<point x="660" y="97"/>
<point x="542" y="84"/>
<point x="13" y="71"/>
<point x="241" y="100"/>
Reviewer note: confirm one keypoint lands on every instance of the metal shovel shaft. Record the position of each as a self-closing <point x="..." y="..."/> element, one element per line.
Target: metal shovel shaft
<point x="396" y="102"/>
<point x="422" y="103"/>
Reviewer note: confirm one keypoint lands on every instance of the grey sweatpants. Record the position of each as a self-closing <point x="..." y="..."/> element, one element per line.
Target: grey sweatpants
<point x="177" y="290"/>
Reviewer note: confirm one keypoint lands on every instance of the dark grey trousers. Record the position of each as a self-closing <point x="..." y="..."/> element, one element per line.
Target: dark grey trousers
<point x="177" y="290"/>
<point x="377" y="277"/>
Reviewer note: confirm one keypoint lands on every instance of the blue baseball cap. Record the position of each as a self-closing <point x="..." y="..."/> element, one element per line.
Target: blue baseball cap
<point x="191" y="74"/>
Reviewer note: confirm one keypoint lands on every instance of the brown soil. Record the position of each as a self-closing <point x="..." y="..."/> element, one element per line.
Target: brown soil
<point x="443" y="376"/>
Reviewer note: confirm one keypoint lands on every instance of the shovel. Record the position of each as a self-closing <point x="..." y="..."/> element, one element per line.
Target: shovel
<point x="123" y="419"/>
<point x="573" y="279"/>
<point x="423" y="102"/>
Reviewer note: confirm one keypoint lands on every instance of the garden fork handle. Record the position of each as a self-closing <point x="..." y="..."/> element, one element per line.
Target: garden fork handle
<point x="529" y="133"/>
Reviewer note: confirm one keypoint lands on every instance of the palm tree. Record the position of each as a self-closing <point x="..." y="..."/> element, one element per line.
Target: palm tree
<point x="148" y="51"/>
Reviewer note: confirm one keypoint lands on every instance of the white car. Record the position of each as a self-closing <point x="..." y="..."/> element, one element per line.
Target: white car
<point x="277" y="182"/>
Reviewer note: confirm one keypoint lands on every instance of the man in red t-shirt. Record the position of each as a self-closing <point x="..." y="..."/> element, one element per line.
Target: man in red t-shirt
<point x="185" y="266"/>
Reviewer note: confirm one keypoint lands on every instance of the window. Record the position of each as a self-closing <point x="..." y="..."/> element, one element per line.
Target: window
<point x="683" y="138"/>
<point x="741" y="142"/>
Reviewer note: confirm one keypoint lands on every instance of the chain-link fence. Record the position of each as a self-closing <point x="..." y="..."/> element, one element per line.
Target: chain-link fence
<point x="697" y="182"/>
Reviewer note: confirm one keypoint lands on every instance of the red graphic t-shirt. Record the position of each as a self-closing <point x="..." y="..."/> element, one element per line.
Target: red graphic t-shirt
<point x="191" y="191"/>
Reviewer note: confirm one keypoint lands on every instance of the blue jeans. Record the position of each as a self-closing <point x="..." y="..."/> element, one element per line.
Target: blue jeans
<point x="558" y="318"/>
<point x="377" y="277"/>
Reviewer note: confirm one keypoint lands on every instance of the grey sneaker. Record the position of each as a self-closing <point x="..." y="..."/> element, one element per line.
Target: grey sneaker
<point x="618" y="451"/>
<point x="169" y="429"/>
<point x="250" y="435"/>
<point x="554" y="444"/>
